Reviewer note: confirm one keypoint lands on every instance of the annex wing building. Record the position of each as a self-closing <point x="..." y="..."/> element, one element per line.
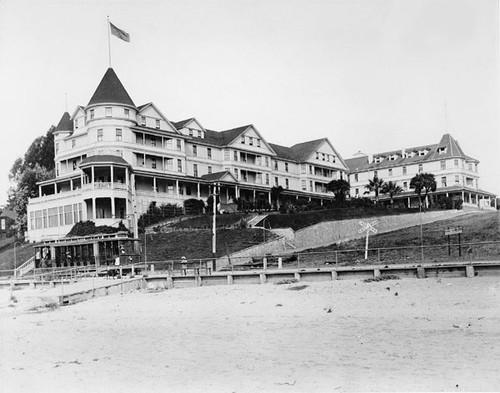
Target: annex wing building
<point x="113" y="158"/>
<point x="456" y="173"/>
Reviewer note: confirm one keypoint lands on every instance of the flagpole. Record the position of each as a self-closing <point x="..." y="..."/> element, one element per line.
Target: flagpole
<point x="109" y="42"/>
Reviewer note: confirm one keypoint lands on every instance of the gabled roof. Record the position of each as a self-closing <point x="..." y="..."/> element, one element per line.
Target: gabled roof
<point x="111" y="90"/>
<point x="357" y="163"/>
<point x="180" y="124"/>
<point x="65" y="124"/>
<point x="302" y="151"/>
<point x="283" y="152"/>
<point x="218" y="176"/>
<point x="224" y="138"/>
<point x="8" y="213"/>
<point x="104" y="159"/>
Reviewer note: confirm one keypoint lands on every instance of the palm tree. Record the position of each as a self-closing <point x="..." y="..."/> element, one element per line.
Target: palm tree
<point x="423" y="182"/>
<point x="391" y="188"/>
<point x="340" y="188"/>
<point x="375" y="185"/>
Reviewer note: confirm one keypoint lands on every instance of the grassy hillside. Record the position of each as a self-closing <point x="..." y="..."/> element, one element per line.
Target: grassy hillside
<point x="404" y="245"/>
<point x="198" y="244"/>
<point x="23" y="252"/>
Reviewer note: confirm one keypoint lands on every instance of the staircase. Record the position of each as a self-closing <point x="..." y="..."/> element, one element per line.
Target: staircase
<point x="26" y="267"/>
<point x="256" y="220"/>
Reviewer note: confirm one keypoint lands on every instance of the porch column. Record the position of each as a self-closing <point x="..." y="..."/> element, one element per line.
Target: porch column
<point x="39" y="190"/>
<point x="198" y="190"/>
<point x="93" y="178"/>
<point x="113" y="214"/>
<point x="112" y="177"/>
<point x="237" y="191"/>
<point x="227" y="194"/>
<point x="177" y="187"/>
<point x="154" y="184"/>
<point x="463" y="197"/>
<point x="71" y="184"/>
<point x="409" y="202"/>
<point x="254" y="196"/>
<point x="126" y="177"/>
<point x="269" y="198"/>
<point x="94" y="215"/>
<point x="55" y="188"/>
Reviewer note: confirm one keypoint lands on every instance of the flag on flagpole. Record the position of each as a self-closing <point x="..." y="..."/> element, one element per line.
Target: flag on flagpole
<point x="123" y="35"/>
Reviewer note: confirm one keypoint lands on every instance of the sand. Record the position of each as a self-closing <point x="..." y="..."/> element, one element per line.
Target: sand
<point x="399" y="335"/>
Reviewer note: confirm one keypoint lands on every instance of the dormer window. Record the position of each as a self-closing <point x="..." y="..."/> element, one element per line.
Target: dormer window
<point x="143" y="120"/>
<point x="250" y="141"/>
<point x="441" y="150"/>
<point x="108" y="111"/>
<point x="200" y="134"/>
<point x="76" y="123"/>
<point x="258" y="142"/>
<point x="191" y="132"/>
<point x="317" y="155"/>
<point x="157" y="124"/>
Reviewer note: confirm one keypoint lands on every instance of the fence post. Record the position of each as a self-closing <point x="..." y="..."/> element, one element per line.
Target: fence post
<point x="298" y="261"/>
<point x="336" y="258"/>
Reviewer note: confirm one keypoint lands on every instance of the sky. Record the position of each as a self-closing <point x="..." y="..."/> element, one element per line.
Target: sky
<point x="370" y="75"/>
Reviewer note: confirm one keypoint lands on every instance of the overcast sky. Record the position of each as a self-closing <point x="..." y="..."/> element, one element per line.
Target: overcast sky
<point x="371" y="75"/>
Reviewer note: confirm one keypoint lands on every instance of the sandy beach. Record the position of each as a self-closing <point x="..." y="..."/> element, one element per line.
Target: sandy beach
<point x="397" y="335"/>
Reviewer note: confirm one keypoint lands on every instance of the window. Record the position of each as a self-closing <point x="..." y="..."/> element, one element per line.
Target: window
<point x="404" y="170"/>
<point x="168" y="144"/>
<point x="356" y="177"/>
<point x="267" y="161"/>
<point x="108" y="111"/>
<point x="190" y="132"/>
<point x="227" y="155"/>
<point x="139" y="138"/>
<point x="195" y="150"/>
<point x="57" y="148"/>
<point x="209" y="169"/>
<point x="74" y="164"/>
<point x="420" y="168"/>
<point x="118" y="134"/>
<point x="405" y="185"/>
<point x="258" y="142"/>
<point x="91" y="114"/>
<point x="236" y="173"/>
<point x="303" y="169"/>
<point x="76" y="123"/>
<point x="140" y="160"/>
<point x="126" y="113"/>
<point x="469" y="167"/>
<point x="310" y="169"/>
<point x="143" y="120"/>
<point x="311" y="186"/>
<point x="243" y="139"/>
<point x="179" y="144"/>
<point x="157" y="123"/>
<point x="356" y="191"/>
<point x="267" y="179"/>
<point x="475" y="167"/>
<point x="457" y="179"/>
<point x="250" y="141"/>
<point x="443" y="181"/>
<point x="259" y="178"/>
<point x="443" y="164"/>
<point x="235" y="156"/>
<point x="258" y="160"/>
<point x="73" y="143"/>
<point x="169" y="164"/>
<point x="179" y="165"/>
<point x="322" y="156"/>
<point x="304" y="185"/>
<point x="317" y="155"/>
<point x="276" y="182"/>
<point x="375" y="173"/>
<point x="195" y="170"/>
<point x="390" y="172"/>
<point x="153" y="163"/>
<point x="455" y="163"/>
<point x="209" y="152"/>
<point x="333" y="158"/>
<point x="286" y="183"/>
<point x="153" y="141"/>
<point x="99" y="135"/>
<point x="275" y="165"/>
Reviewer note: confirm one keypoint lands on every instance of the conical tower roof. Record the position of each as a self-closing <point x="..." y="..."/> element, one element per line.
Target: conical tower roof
<point x="111" y="91"/>
<point x="65" y="124"/>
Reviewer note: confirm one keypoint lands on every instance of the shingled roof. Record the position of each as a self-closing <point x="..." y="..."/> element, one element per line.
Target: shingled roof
<point x="224" y="138"/>
<point x="104" y="159"/>
<point x="65" y="124"/>
<point x="111" y="91"/>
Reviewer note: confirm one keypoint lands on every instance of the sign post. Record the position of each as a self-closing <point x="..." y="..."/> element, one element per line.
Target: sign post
<point x="367" y="227"/>
<point x="454" y="231"/>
